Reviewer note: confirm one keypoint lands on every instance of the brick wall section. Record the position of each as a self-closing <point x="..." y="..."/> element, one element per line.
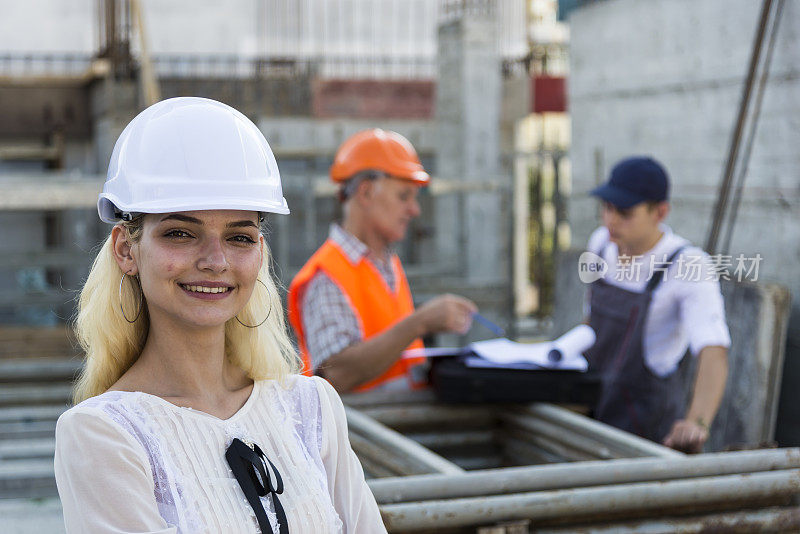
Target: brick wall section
<point x="359" y="99"/>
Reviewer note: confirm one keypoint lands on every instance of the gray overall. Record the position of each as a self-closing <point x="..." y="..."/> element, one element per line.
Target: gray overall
<point x="633" y="398"/>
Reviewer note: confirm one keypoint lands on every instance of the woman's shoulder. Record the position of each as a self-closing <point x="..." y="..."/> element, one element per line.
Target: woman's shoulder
<point x="103" y="419"/>
<point x="294" y="386"/>
<point x="96" y="406"/>
<point x="295" y="383"/>
<point x="112" y="410"/>
<point x="299" y="394"/>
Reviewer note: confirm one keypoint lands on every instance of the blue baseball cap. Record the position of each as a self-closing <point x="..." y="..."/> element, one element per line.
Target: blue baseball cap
<point x="634" y="180"/>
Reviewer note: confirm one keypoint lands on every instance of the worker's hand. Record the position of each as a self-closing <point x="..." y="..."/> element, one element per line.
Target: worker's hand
<point x="447" y="313"/>
<point x="687" y="436"/>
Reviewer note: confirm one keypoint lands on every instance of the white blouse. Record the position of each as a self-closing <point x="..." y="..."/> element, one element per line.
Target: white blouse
<point x="130" y="462"/>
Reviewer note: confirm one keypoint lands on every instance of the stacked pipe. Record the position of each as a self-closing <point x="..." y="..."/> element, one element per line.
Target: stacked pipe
<point x="467" y="436"/>
<point x="597" y="478"/>
<point x="751" y="489"/>
<point x="385" y="452"/>
<point x="562" y="435"/>
<point x="484" y="437"/>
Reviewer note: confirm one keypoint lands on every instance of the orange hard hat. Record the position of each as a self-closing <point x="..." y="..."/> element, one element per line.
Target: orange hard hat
<point x="379" y="150"/>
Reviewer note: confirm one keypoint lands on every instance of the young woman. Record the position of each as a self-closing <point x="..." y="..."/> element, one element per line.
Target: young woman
<point x="190" y="415"/>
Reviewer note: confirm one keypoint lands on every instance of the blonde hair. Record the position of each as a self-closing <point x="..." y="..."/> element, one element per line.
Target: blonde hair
<point x="112" y="344"/>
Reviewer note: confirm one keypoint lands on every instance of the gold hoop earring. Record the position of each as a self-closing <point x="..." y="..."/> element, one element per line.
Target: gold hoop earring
<point x="268" y="312"/>
<point x="141" y="300"/>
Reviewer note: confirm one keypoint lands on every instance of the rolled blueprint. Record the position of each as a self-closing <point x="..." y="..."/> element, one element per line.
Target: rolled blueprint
<point x="572" y="344"/>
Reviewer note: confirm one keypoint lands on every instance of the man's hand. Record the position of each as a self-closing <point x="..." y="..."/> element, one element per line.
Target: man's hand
<point x="687" y="436"/>
<point x="447" y="313"/>
<point x="359" y="363"/>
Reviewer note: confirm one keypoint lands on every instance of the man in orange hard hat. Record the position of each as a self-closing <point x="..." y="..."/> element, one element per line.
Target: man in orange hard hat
<point x="350" y="305"/>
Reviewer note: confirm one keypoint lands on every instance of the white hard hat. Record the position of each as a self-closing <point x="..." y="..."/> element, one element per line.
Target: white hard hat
<point x="186" y="154"/>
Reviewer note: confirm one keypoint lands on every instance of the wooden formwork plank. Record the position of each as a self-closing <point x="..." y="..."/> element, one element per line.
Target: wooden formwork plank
<point x="37" y="341"/>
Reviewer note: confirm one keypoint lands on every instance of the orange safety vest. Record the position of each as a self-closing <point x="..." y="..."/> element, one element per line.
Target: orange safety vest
<point x="375" y="305"/>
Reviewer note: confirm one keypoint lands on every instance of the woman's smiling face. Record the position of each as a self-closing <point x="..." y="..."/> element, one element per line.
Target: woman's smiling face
<point x="198" y="268"/>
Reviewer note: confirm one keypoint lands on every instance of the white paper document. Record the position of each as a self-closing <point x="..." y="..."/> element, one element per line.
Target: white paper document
<point x="507" y="353"/>
<point x="431" y="352"/>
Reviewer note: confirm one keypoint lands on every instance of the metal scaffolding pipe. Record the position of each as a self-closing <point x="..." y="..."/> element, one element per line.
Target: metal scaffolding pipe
<point x="434" y="415"/>
<point x="396" y="443"/>
<point x="523" y="452"/>
<point x="550" y="445"/>
<point x="484" y="461"/>
<point x="767" y="520"/>
<point x="585" y="445"/>
<point x="583" y="474"/>
<point x="665" y="497"/>
<point x="607" y="434"/>
<point x="396" y="465"/>
<point x="374" y="470"/>
<point x="439" y="440"/>
<point x="381" y="398"/>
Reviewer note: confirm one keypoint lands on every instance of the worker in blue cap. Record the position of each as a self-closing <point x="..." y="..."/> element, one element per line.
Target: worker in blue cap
<point x="658" y="300"/>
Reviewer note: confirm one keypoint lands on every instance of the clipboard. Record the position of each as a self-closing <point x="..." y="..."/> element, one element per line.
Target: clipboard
<point x="454" y="380"/>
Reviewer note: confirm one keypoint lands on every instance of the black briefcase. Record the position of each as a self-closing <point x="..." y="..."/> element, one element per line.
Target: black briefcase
<point x="455" y="382"/>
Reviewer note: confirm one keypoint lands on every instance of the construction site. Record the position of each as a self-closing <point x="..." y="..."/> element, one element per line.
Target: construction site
<point x="518" y="109"/>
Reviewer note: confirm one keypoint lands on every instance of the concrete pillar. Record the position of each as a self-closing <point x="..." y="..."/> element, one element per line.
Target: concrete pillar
<point x="113" y="103"/>
<point x="472" y="227"/>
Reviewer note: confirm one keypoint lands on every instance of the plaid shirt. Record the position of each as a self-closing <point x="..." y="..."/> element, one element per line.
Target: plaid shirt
<point x="329" y="323"/>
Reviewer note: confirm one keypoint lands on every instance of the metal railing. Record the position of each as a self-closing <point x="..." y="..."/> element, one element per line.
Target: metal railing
<point x="50" y="64"/>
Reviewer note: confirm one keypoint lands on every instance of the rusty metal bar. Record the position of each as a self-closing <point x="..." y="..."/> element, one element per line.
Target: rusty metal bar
<point x="721" y="204"/>
<point x="664" y="497"/>
<point x="609" y="435"/>
<point x="767" y="520"/>
<point x="752" y="126"/>
<point x="395" y="443"/>
<point x="583" y="474"/>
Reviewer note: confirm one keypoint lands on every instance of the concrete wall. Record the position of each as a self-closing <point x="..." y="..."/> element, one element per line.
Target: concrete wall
<point x="248" y="28"/>
<point x="664" y="78"/>
<point x="48" y="26"/>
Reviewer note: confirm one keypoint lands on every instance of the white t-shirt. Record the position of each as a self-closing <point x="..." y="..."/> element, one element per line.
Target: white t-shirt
<point x="133" y="462"/>
<point x="687" y="309"/>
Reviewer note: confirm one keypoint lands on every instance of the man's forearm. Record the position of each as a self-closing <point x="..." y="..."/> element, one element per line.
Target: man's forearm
<point x="709" y="387"/>
<point x="370" y="358"/>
